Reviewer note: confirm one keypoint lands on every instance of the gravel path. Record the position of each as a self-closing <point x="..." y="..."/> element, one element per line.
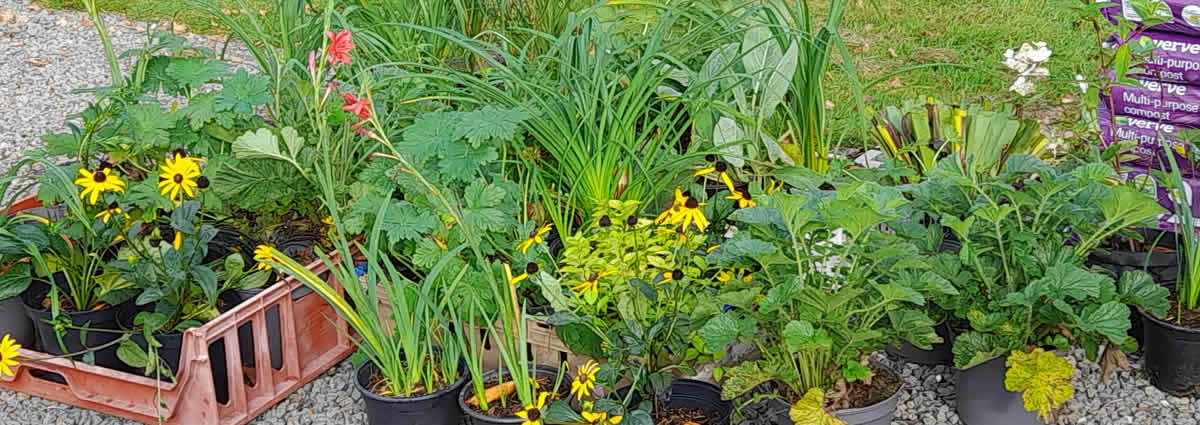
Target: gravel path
<point x="45" y="54"/>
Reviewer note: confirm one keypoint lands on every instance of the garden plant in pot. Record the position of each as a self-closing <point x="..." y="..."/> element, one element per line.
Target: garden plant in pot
<point x="20" y="235"/>
<point x="1172" y="335"/>
<point x="1022" y="282"/>
<point x="831" y="289"/>
<point x="177" y="290"/>
<point x="631" y="285"/>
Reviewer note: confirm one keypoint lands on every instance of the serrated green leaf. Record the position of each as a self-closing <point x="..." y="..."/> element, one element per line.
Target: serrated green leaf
<point x="743" y="378"/>
<point x="1110" y="319"/>
<point x="194" y="73"/>
<point x="148" y="124"/>
<point x="973" y="348"/>
<point x="854" y="371"/>
<point x="718" y="332"/>
<point x="242" y="92"/>
<point x="1139" y="289"/>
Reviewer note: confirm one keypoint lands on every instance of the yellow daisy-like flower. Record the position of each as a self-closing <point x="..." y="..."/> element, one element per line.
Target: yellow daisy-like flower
<point x="592" y="284"/>
<point x="741" y="196"/>
<point x="9" y="349"/>
<point x="262" y="254"/>
<point x="724" y="276"/>
<point x="108" y="213"/>
<point x="601" y="418"/>
<point x="530" y="269"/>
<point x="535" y="237"/>
<point x="684" y="212"/>
<point x="96" y="183"/>
<point x="179" y="177"/>
<point x="672" y="275"/>
<point x="585" y="381"/>
<point x="533" y="412"/>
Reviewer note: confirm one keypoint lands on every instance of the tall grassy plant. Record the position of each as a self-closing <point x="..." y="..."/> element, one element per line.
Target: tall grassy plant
<point x="1188" y="289"/>
<point x="602" y="128"/>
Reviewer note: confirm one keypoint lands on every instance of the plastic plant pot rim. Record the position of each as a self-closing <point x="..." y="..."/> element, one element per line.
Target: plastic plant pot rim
<point x="872" y="406"/>
<point x="471" y="414"/>
<point x="1168" y="325"/>
<point x="455" y="386"/>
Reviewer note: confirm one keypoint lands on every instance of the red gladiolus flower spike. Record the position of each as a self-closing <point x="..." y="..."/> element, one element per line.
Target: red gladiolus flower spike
<point x="340" y="45"/>
<point x="360" y="107"/>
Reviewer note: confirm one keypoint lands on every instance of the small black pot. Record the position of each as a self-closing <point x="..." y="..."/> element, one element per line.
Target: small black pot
<point x="47" y="339"/>
<point x="939" y="354"/>
<point x="171" y="353"/>
<point x="438" y="408"/>
<point x="15" y="322"/>
<point x="1172" y="356"/>
<point x="983" y="400"/>
<point x="472" y="417"/>
<point x="691" y="394"/>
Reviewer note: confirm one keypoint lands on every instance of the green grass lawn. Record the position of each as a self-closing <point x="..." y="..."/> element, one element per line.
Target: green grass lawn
<point x="885" y="36"/>
<point x="888" y="35"/>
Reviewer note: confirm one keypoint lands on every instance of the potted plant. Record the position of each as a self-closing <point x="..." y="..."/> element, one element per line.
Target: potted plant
<point x="628" y="286"/>
<point x="1171" y="334"/>
<point x="831" y="288"/>
<point x="19" y="236"/>
<point x="1025" y="234"/>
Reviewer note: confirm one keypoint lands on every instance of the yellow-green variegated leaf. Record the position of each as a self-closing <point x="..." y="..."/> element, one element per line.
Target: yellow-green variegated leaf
<point x="810" y="410"/>
<point x="1042" y="378"/>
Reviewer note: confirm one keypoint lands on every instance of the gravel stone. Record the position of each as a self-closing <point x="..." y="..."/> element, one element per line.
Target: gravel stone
<point x="48" y="53"/>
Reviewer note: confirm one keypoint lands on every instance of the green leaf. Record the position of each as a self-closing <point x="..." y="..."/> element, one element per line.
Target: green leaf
<point x="1110" y="319"/>
<point x="194" y="73"/>
<point x="183" y="217"/>
<point x="206" y="279"/>
<point x="552" y="290"/>
<point x="200" y="110"/>
<point x="779" y="295"/>
<point x="733" y="250"/>
<point x="15" y="280"/>
<point x="148" y="124"/>
<point x="242" y="92"/>
<point x="1138" y="288"/>
<point x="855" y="371"/>
<point x="461" y="162"/>
<point x="560" y="412"/>
<point x="1064" y="281"/>
<point x="721" y="330"/>
<point x="130" y="353"/>
<point x="743" y="378"/>
<point x="972" y="348"/>
<point x="407" y="222"/>
<point x="893" y="292"/>
<point x="914" y="326"/>
<point x="427" y="253"/>
<point x="799" y="335"/>
<point x="260" y="143"/>
<point x="488" y="123"/>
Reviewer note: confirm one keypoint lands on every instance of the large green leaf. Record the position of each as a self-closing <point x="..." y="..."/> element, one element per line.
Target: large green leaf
<point x="15" y="280"/>
<point x="972" y="348"/>
<point x="1110" y="319"/>
<point x="1063" y="281"/>
<point x="1138" y="288"/>
<point x="721" y="330"/>
<point x="914" y="326"/>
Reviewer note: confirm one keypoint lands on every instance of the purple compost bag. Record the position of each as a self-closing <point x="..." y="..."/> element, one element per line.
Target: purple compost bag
<point x="1176" y="58"/>
<point x="1142" y="179"/>
<point x="1185" y="16"/>
<point x="1149" y="135"/>
<point x="1158" y="101"/>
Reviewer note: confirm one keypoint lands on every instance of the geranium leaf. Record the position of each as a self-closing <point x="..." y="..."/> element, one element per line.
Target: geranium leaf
<point x="1042" y="378"/>
<point x="810" y="410"/>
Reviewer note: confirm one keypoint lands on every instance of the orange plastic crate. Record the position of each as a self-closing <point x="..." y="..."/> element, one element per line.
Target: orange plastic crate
<point x="314" y="339"/>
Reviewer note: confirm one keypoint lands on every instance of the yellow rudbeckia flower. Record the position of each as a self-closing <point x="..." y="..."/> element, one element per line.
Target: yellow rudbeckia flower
<point x="585" y="382"/>
<point x="9" y="349"/>
<point x="532" y="414"/>
<point x="178" y="177"/>
<point x="96" y="183"/>
<point x="108" y="213"/>
<point x="535" y="237"/>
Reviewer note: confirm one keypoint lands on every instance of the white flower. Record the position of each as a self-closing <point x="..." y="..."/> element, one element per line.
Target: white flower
<point x="1083" y="85"/>
<point x="1023" y="86"/>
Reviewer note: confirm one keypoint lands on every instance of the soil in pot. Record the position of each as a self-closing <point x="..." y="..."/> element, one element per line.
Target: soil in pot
<point x="436" y="406"/>
<point x="502" y="415"/>
<point x="689" y="400"/>
<point x="1172" y="351"/>
<point x="864" y="404"/>
<point x="37" y="309"/>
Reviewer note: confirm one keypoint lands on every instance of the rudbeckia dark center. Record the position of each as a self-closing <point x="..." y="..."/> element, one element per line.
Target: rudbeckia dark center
<point x="710" y="158"/>
<point x="677" y="274"/>
<point x="746" y="194"/>
<point x="178" y="178"/>
<point x="531" y="268"/>
<point x="534" y="414"/>
<point x="605" y="221"/>
<point x="631" y="221"/>
<point x="593" y="277"/>
<point x="691" y="203"/>
<point x="202" y="182"/>
<point x="112" y="206"/>
<point x="99" y="177"/>
<point x="721" y="166"/>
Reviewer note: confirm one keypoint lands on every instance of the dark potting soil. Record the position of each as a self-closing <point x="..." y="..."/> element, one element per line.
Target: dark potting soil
<point x="1186" y="318"/>
<point x="883" y="385"/>
<point x="379" y="385"/>
<point x="683" y="416"/>
<point x="512" y="403"/>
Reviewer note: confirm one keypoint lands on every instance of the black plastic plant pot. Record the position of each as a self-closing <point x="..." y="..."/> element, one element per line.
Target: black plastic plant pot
<point x="1163" y="266"/>
<point x="172" y="350"/>
<point x="939" y="354"/>
<point x="983" y="400"/>
<point x="15" y="322"/>
<point x="439" y="408"/>
<point x="75" y="340"/>
<point x="692" y="394"/>
<point x="473" y="417"/>
<point x="246" y="342"/>
<point x="880" y="413"/>
<point x="1172" y="356"/>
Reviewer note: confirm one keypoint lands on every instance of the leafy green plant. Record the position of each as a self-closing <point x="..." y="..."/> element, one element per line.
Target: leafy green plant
<point x="983" y="136"/>
<point x="1187" y="289"/>
<point x="830" y="288"/>
<point x="1025" y="234"/>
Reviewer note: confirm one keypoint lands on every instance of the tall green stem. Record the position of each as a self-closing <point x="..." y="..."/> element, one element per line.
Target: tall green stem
<point x="102" y="30"/>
